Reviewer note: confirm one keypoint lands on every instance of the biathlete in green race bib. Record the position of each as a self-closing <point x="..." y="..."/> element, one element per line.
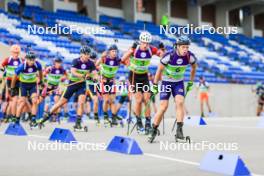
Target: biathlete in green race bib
<point x="139" y="58"/>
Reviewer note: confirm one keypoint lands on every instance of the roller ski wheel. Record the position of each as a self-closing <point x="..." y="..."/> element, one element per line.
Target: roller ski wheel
<point x="59" y="120"/>
<point x="140" y="130"/>
<point x="186" y="139"/>
<point x="41" y="125"/>
<point x="147" y="131"/>
<point x="147" y="128"/>
<point x="78" y="128"/>
<point x="33" y="124"/>
<point x="114" y="122"/>
<point x="97" y="123"/>
<point x="107" y="123"/>
<point x="152" y="135"/>
<point x="121" y="123"/>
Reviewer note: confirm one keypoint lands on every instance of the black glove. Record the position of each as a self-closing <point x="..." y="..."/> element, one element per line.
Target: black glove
<point x="161" y="45"/>
<point x="135" y="44"/>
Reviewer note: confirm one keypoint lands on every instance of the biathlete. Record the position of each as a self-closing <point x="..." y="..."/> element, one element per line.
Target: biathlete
<point x="171" y="72"/>
<point x="138" y="59"/>
<point x="203" y="90"/>
<point x="82" y="68"/>
<point x="260" y="93"/>
<point x="9" y="66"/>
<point x="109" y="64"/>
<point x="54" y="75"/>
<point x="30" y="77"/>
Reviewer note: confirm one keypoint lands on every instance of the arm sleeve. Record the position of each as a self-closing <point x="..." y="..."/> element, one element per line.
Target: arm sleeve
<point x="192" y="59"/>
<point x="39" y="67"/>
<point x="92" y="67"/>
<point x="74" y="63"/>
<point x="19" y="69"/>
<point x="165" y="59"/>
<point x="5" y="62"/>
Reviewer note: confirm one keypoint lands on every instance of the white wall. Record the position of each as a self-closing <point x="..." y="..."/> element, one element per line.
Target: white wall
<point x="34" y="2"/>
<point x="227" y="100"/>
<point x="120" y="13"/>
<point x="111" y="11"/>
<point x="258" y="32"/>
<point x="72" y="6"/>
<point x="179" y="21"/>
<point x="144" y="17"/>
<point x="4" y="51"/>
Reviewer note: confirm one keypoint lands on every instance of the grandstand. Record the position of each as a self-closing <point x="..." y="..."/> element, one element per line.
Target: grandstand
<point x="234" y="58"/>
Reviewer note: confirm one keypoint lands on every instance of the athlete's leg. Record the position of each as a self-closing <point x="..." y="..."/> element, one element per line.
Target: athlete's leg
<point x="138" y="103"/>
<point x="34" y="100"/>
<point x="208" y="105"/>
<point x="259" y="109"/>
<point x="56" y="100"/>
<point x="59" y="104"/>
<point x="112" y="103"/>
<point x="179" y="100"/>
<point x="160" y="113"/>
<point x="147" y="104"/>
<point x="202" y="107"/>
<point x="21" y="104"/>
<point x="106" y="102"/>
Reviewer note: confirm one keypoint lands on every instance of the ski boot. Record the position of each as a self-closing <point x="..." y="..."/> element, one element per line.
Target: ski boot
<point x="154" y="131"/>
<point x="179" y="137"/>
<point x="139" y="124"/>
<point x="45" y="118"/>
<point x="107" y="122"/>
<point x="16" y="121"/>
<point x="78" y="125"/>
<point x="120" y="120"/>
<point x="96" y="119"/>
<point x="114" y="120"/>
<point x="147" y="126"/>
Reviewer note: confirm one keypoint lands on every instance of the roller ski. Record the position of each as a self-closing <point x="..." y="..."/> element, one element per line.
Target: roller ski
<point x="107" y="123"/>
<point x="179" y="137"/>
<point x="97" y="122"/>
<point x="78" y="126"/>
<point x="121" y="123"/>
<point x="66" y="116"/>
<point x="139" y="127"/>
<point x="33" y="124"/>
<point x="45" y="118"/>
<point x="153" y="133"/>
<point x="116" y="121"/>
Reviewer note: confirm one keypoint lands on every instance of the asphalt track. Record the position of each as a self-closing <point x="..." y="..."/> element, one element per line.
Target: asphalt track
<point x="18" y="159"/>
